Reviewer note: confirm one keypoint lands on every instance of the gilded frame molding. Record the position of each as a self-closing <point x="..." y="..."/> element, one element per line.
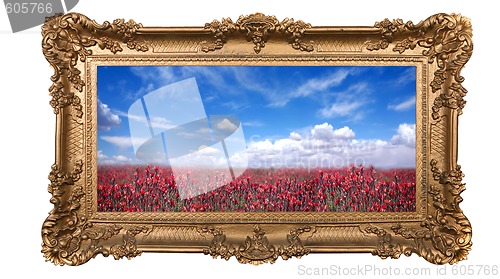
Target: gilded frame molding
<point x="74" y="232"/>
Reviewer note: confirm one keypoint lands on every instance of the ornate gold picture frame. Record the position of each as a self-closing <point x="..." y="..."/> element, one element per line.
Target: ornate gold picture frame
<point x="76" y="230"/>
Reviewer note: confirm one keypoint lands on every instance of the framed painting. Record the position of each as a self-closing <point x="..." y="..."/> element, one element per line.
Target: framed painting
<point x="256" y="139"/>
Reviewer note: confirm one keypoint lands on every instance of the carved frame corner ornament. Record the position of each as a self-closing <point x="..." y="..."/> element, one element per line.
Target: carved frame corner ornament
<point x="445" y="39"/>
<point x="444" y="236"/>
<point x="68" y="38"/>
<point x="70" y="234"/>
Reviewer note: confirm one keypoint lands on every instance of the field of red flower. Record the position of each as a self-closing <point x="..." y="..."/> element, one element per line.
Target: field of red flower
<point x="153" y="189"/>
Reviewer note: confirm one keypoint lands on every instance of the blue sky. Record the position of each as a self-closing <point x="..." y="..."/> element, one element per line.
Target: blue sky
<point x="366" y="113"/>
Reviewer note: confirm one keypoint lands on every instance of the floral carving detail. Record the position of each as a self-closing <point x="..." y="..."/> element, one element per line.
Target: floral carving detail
<point x="257" y="28"/>
<point x="128" y="248"/>
<point x="296" y="29"/>
<point x="68" y="238"/>
<point x="217" y="245"/>
<point x="295" y="247"/>
<point x="445" y="235"/>
<point x="256" y="249"/>
<point x="219" y="31"/>
<point x="447" y="230"/>
<point x="385" y="248"/>
<point x="387" y="29"/>
<point x="67" y="39"/>
<point x="59" y="244"/>
<point x="447" y="40"/>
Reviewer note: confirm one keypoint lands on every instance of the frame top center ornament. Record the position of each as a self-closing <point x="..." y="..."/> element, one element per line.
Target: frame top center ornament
<point x="257" y="29"/>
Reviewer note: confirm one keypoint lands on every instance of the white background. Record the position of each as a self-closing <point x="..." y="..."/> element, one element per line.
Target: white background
<point x="27" y="136"/>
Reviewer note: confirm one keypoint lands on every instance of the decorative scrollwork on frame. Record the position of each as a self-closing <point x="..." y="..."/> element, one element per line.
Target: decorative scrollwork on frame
<point x="444" y="236"/>
<point x="446" y="39"/>
<point x="69" y="238"/>
<point x="128" y="248"/>
<point x="257" y="28"/>
<point x="447" y="231"/>
<point x="385" y="248"/>
<point x="67" y="39"/>
<point x="256" y="249"/>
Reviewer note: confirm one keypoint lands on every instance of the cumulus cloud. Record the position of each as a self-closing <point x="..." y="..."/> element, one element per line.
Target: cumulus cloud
<point x="344" y="132"/>
<point x="103" y="159"/>
<point x="205" y="156"/>
<point x="208" y="150"/>
<point x="295" y="136"/>
<point x="106" y="119"/>
<point x="325" y="131"/>
<point x="405" y="135"/>
<point x="227" y="125"/>
<point x="101" y="155"/>
<point x="324" y="146"/>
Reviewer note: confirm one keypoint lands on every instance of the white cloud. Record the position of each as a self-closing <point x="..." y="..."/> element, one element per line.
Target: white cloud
<point x="205" y="156"/>
<point x="103" y="159"/>
<point x="161" y="123"/>
<point x="340" y="109"/>
<point x="148" y="87"/>
<point x="157" y="122"/>
<point x="320" y="84"/>
<point x="208" y="151"/>
<point x="147" y="73"/>
<point x="122" y="159"/>
<point x="407" y="76"/>
<point x="325" y="131"/>
<point x="123" y="142"/>
<point x="324" y="146"/>
<point x="344" y="132"/>
<point x="405" y="105"/>
<point x="214" y="75"/>
<point x="295" y="136"/>
<point x="227" y="125"/>
<point x="246" y="77"/>
<point x="211" y="98"/>
<point x="235" y="106"/>
<point x="265" y="146"/>
<point x="405" y="135"/>
<point x="309" y="88"/>
<point x="253" y="124"/>
<point x="163" y="75"/>
<point x="101" y="155"/>
<point x="348" y="103"/>
<point x="105" y="118"/>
